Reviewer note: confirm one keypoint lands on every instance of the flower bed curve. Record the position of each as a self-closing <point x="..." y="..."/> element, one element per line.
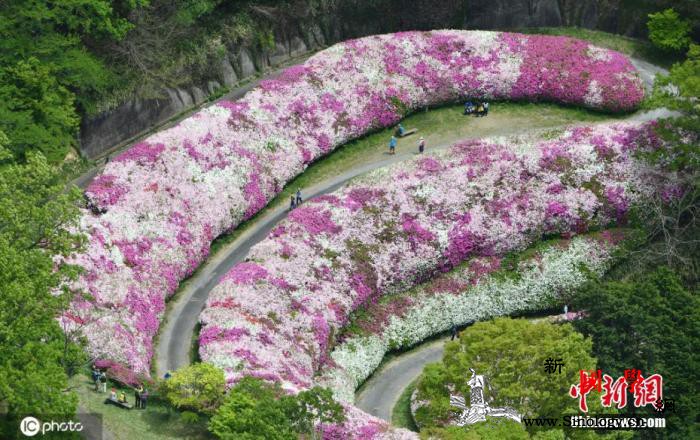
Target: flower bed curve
<point x="401" y="225"/>
<point x="481" y="288"/>
<point x="276" y="316"/>
<point x="155" y="209"/>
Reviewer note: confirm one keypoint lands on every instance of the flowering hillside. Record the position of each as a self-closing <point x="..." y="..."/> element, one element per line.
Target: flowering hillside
<point x="275" y="316"/>
<point x="156" y="208"/>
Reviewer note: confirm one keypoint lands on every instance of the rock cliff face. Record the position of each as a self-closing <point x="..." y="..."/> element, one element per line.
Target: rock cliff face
<point x="353" y="18"/>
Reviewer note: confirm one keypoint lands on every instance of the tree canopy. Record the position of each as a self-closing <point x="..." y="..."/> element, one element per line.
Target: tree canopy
<point x="510" y="354"/>
<point x="36" y="216"/>
<point x="199" y="387"/>
<point x="257" y="410"/>
<point x="667" y="31"/>
<point x="649" y="323"/>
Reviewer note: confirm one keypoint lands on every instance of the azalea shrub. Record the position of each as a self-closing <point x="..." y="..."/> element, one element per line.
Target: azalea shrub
<point x="154" y="210"/>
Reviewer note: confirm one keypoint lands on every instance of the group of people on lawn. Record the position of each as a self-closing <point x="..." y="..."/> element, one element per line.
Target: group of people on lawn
<point x="401" y="132"/>
<point x="119" y="398"/>
<point x="478" y="108"/>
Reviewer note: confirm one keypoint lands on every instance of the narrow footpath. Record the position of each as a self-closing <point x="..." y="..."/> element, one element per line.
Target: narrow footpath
<point x="382" y="390"/>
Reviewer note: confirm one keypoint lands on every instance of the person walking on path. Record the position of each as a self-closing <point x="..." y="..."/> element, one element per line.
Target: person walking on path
<point x="298" y="200"/>
<point x="392" y="145"/>
<point x="453" y="332"/>
<point x="292" y="203"/>
<point x="486" y="108"/>
<point x="421" y="145"/>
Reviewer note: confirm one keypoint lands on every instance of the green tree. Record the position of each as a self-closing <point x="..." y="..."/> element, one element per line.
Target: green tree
<point x="312" y="407"/>
<point x="257" y="410"/>
<point x="676" y="222"/>
<point x="198" y="387"/>
<point x="252" y="412"/>
<point x="510" y="354"/>
<point x="36" y="217"/>
<point x="650" y="324"/>
<point x="36" y="112"/>
<point x="667" y="31"/>
<point x="45" y="63"/>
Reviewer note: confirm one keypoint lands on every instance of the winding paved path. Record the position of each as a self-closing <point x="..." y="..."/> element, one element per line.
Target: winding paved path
<point x="383" y="389"/>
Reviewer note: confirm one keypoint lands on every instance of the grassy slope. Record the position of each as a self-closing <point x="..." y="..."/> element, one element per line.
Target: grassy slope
<point x="439" y="126"/>
<point x="401" y="414"/>
<point x="158" y="422"/>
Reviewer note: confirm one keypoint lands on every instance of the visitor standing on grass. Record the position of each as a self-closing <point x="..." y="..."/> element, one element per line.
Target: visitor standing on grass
<point x="144" y="398"/>
<point x="392" y="145"/>
<point x="453" y="332"/>
<point x="421" y="145"/>
<point x="103" y="382"/>
<point x="298" y="200"/>
<point x="486" y="108"/>
<point x="96" y="378"/>
<point x="137" y="396"/>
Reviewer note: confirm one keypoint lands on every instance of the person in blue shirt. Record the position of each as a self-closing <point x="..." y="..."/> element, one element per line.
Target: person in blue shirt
<point x="392" y="145"/>
<point x="468" y="107"/>
<point x="400" y="130"/>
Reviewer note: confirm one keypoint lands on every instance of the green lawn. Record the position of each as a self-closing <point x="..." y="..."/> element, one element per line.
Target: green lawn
<point x="401" y="414"/>
<point x="157" y="422"/>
